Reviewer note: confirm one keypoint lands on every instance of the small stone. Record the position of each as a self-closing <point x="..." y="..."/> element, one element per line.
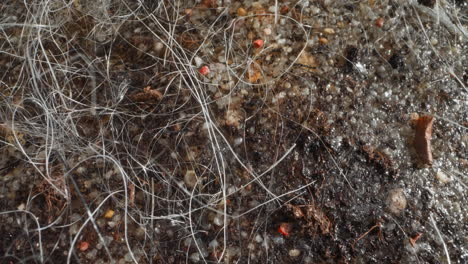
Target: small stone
<point x="442" y="177"/>
<point x="213" y="244"/>
<point x="83" y="246"/>
<point x="190" y="178"/>
<point x="267" y="31"/>
<point x="241" y="11"/>
<point x="109" y="214"/>
<point x="379" y="22"/>
<point x="294" y="253"/>
<point x="218" y="220"/>
<point x="396" y="201"/>
<point x="158" y="46"/>
<point x="258" y="239"/>
<point x="258" y="43"/>
<point x="329" y="31"/>
<point x="195" y="257"/>
<point x="198" y="61"/>
<point x="204" y="70"/>
<point x="323" y="41"/>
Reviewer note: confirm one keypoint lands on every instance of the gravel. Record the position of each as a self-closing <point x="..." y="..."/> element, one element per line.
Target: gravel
<point x="264" y="113"/>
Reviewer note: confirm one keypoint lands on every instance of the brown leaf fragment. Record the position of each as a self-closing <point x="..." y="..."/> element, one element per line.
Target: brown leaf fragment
<point x="422" y="139"/>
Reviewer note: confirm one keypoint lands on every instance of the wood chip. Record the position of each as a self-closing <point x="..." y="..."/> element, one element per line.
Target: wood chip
<point x="422" y="139"/>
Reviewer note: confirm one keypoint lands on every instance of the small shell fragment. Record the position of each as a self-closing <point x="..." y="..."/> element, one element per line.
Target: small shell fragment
<point x="422" y="139"/>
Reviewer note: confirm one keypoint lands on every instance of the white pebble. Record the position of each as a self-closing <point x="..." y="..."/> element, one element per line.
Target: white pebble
<point x="218" y="220"/>
<point x="396" y="201"/>
<point x="195" y="257"/>
<point x="238" y="141"/>
<point x="272" y="9"/>
<point x="198" y="61"/>
<point x="442" y="177"/>
<point x="213" y="244"/>
<point x="294" y="252"/>
<point x="267" y="31"/>
<point x="258" y="238"/>
<point x="158" y="46"/>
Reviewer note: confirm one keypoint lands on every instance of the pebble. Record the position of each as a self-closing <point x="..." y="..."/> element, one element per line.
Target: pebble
<point x="218" y="220"/>
<point x="241" y="11"/>
<point x="195" y="257"/>
<point x="396" y="201"/>
<point x="329" y="31"/>
<point x="379" y="22"/>
<point x="158" y="46"/>
<point x="198" y="61"/>
<point x="109" y="214"/>
<point x="21" y="207"/>
<point x="442" y="177"/>
<point x="294" y="253"/>
<point x="213" y="244"/>
<point x="323" y="41"/>
<point x="258" y="239"/>
<point x="190" y="179"/>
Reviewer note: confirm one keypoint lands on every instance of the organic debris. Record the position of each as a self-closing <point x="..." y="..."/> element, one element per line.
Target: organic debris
<point x="382" y="160"/>
<point x="422" y="139"/>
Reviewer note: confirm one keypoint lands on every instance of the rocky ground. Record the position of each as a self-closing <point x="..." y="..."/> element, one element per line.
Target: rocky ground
<point x="273" y="131"/>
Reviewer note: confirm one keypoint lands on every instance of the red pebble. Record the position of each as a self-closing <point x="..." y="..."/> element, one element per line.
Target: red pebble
<point x="83" y="246"/>
<point x="284" y="229"/>
<point x="204" y="70"/>
<point x="258" y="43"/>
<point x="379" y="22"/>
